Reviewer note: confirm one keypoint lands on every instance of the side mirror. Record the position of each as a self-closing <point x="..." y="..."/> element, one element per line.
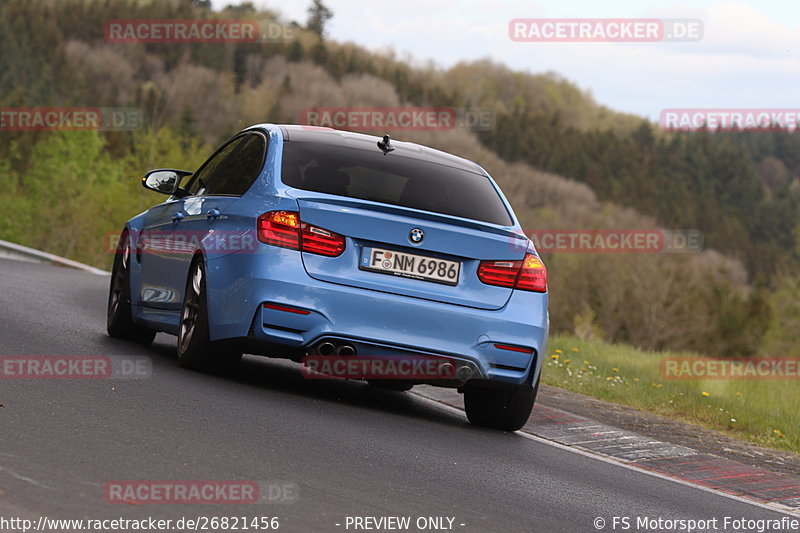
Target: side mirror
<point x="164" y="180"/>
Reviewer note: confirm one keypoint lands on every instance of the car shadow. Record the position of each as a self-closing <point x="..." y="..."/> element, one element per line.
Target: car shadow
<point x="284" y="376"/>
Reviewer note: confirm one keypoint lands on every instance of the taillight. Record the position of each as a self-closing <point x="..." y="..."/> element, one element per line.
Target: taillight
<point x="285" y="229"/>
<point x="527" y="275"/>
<point x="501" y="273"/>
<point x="532" y="275"/>
<point x="280" y="228"/>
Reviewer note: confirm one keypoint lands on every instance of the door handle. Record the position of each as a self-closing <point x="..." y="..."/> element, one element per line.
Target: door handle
<point x="177" y="217"/>
<point x="213" y="214"/>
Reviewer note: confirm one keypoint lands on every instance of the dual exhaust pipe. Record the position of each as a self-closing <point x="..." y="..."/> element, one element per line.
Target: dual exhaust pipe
<point x="462" y="373"/>
<point x="330" y="348"/>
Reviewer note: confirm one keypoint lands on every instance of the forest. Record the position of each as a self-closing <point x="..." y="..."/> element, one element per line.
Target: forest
<point x="564" y="160"/>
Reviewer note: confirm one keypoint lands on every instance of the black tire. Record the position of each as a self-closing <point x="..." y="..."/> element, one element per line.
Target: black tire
<point x="507" y="409"/>
<point x="391" y="384"/>
<point x="195" y="350"/>
<point x="119" y="321"/>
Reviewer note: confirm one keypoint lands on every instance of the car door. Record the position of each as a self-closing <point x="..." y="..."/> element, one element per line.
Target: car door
<point x="208" y="218"/>
<point x="156" y="256"/>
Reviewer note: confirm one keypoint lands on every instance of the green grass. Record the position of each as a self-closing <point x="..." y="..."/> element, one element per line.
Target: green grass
<point x="764" y="412"/>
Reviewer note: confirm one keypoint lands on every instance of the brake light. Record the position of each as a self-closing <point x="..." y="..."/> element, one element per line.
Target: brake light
<point x="285" y="229"/>
<point x="321" y="241"/>
<point x="532" y="275"/>
<point x="501" y="273"/>
<point x="529" y="274"/>
<point x="280" y="228"/>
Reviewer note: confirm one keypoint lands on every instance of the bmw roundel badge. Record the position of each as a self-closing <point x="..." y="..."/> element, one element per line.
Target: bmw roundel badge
<point x="416" y="235"/>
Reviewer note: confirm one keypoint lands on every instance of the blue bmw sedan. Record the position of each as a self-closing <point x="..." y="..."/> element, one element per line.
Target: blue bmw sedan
<point x="303" y="242"/>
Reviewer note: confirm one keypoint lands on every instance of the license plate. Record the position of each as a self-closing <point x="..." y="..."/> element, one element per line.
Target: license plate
<point x="410" y="265"/>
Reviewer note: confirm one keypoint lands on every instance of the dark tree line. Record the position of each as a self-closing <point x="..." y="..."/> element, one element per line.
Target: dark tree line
<point x="697" y="180"/>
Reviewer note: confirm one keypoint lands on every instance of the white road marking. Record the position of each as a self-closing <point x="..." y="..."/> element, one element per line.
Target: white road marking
<point x="768" y="506"/>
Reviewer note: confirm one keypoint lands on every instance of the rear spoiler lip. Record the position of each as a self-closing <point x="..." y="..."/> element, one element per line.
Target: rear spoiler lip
<point x="346" y="201"/>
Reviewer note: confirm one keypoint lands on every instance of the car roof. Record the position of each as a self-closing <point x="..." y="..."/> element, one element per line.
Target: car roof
<point x="316" y="134"/>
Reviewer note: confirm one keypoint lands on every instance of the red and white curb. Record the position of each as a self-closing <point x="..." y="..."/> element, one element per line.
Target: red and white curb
<point x="577" y="433"/>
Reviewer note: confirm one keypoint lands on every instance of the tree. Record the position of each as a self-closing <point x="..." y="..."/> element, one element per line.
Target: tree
<point x="318" y="17"/>
<point x="773" y="173"/>
<point x="319" y="53"/>
<point x="295" y="51"/>
<point x="781" y="335"/>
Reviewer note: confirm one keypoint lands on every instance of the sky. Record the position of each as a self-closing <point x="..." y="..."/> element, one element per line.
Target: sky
<point x="749" y="56"/>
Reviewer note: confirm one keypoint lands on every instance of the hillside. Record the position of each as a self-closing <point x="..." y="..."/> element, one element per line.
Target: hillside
<point x="564" y="160"/>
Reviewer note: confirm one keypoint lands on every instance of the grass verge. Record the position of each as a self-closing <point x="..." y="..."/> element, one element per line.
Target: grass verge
<point x="762" y="411"/>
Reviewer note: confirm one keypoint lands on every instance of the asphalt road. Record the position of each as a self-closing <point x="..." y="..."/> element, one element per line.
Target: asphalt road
<point x="351" y="450"/>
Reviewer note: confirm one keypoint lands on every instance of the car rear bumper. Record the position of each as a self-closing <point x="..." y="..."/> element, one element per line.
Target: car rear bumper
<point x="303" y="311"/>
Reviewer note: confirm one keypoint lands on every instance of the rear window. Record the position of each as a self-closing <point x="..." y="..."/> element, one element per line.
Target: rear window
<point x="392" y="179"/>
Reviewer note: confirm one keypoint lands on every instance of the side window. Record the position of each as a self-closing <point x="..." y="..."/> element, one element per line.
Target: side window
<point x="232" y="170"/>
<point x="202" y="177"/>
<point x="240" y="169"/>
